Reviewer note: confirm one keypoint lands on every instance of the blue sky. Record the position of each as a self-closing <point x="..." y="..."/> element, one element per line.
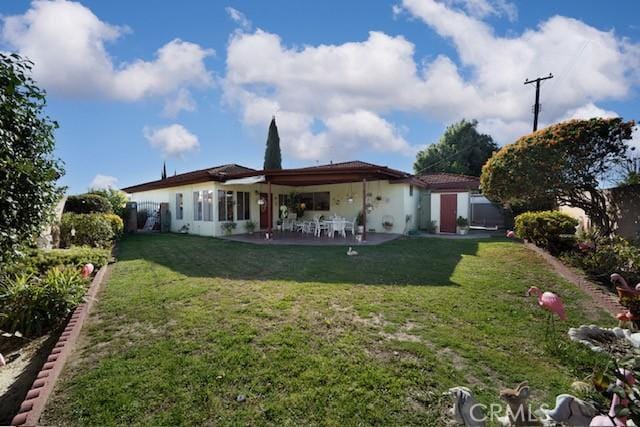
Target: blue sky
<point x="196" y="83"/>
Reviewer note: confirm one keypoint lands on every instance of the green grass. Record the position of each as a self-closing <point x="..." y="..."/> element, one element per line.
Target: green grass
<point x="312" y="336"/>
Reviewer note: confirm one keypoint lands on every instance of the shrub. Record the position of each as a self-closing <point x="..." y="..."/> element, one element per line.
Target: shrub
<point x="87" y="203"/>
<point x="430" y="227"/>
<point x="462" y="222"/>
<point x="606" y="257"/>
<point x="33" y="305"/>
<point x="117" y="199"/>
<point x="117" y="225"/>
<point x="38" y="261"/>
<point x="547" y="229"/>
<point x="90" y="230"/>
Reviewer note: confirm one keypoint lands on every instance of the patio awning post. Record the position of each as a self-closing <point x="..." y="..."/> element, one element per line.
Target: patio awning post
<point x="364" y="208"/>
<point x="269" y="210"/>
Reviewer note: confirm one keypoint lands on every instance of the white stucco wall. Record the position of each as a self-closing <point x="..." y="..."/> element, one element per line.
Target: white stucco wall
<point x="463" y="207"/>
<point x="391" y="201"/>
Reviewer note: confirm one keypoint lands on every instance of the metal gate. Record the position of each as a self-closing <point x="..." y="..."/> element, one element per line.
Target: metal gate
<point x="148" y="215"/>
<point x="484" y="213"/>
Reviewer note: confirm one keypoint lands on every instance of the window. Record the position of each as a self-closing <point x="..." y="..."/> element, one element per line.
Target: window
<point x="197" y="206"/>
<point x="243" y="205"/>
<point x="225" y="205"/>
<point x="315" y="201"/>
<point x="410" y="190"/>
<point x="208" y="205"/>
<point x="179" y="205"/>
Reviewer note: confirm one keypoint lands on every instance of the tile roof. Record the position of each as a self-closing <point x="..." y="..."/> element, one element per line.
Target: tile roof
<point x="216" y="173"/>
<point x="448" y="181"/>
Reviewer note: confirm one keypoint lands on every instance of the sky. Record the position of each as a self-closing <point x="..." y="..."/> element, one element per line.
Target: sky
<point x="196" y="83"/>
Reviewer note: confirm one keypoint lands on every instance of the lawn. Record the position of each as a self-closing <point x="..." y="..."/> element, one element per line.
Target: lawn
<point x="309" y="335"/>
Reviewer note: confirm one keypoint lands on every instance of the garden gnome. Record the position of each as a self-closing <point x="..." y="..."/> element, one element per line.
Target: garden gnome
<point x="518" y="413"/>
<point x="465" y="410"/>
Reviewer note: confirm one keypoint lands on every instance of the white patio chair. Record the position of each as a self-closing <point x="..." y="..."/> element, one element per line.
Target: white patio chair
<point x="350" y="226"/>
<point x="321" y="226"/>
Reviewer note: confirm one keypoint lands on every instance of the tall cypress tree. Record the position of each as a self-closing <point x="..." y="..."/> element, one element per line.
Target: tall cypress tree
<point x="164" y="171"/>
<point x="272" y="155"/>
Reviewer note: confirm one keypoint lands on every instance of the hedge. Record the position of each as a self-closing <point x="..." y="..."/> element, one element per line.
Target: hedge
<point x="38" y="261"/>
<point x="93" y="230"/>
<point x="551" y="230"/>
<point x="88" y="203"/>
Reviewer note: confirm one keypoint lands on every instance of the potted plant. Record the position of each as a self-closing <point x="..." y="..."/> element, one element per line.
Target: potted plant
<point x="463" y="225"/>
<point x="250" y="226"/>
<point x="228" y="227"/>
<point x="360" y="223"/>
<point x="388" y="225"/>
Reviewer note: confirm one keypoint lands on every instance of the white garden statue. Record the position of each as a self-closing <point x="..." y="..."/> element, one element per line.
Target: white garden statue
<point x="569" y="411"/>
<point x="465" y="410"/>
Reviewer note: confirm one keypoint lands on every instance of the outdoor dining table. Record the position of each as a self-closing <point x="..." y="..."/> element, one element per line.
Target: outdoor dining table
<point x="334" y="225"/>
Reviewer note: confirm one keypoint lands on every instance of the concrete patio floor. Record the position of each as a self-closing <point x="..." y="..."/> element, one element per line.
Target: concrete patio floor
<point x="296" y="238"/>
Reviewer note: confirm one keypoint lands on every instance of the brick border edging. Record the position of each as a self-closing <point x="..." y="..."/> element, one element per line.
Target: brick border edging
<point x="33" y="405"/>
<point x="605" y="299"/>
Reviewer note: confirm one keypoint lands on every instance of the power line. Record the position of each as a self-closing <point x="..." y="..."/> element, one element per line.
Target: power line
<point x="536" y="106"/>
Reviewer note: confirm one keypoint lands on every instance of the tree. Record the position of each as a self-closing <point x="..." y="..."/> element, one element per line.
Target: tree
<point x="461" y="149"/>
<point x="564" y="161"/>
<point x="117" y="199"/>
<point x="631" y="172"/>
<point x="272" y="155"/>
<point x="28" y="170"/>
<point x="163" y="174"/>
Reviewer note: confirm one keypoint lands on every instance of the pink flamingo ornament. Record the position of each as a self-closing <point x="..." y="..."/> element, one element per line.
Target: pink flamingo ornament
<point x="549" y="301"/>
<point x="87" y="270"/>
<point x="2" y="361"/>
<point x="511" y="234"/>
<point x="610" y="420"/>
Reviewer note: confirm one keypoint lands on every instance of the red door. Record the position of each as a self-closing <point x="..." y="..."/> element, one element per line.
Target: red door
<point x="264" y="212"/>
<point x="448" y="212"/>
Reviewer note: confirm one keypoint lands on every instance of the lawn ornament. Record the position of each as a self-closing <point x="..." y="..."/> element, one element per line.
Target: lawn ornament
<point x="549" y="301"/>
<point x="87" y="270"/>
<point x="511" y="234"/>
<point x="465" y="410"/>
<point x="625" y="319"/>
<point x="351" y="252"/>
<point x="618" y="280"/>
<point x="570" y="411"/>
<point x="518" y="413"/>
<point x="628" y="297"/>
<point x="2" y="361"/>
<point x="610" y="419"/>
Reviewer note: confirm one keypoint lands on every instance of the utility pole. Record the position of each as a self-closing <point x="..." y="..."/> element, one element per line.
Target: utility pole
<point x="536" y="107"/>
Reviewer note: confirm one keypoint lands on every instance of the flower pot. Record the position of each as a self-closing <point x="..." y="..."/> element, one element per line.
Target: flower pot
<point x="463" y="230"/>
<point x="361" y="229"/>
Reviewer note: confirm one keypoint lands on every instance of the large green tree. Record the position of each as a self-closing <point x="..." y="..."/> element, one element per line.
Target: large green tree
<point x="461" y="149"/>
<point x="565" y="161"/>
<point x="28" y="169"/>
<point x="272" y="155"/>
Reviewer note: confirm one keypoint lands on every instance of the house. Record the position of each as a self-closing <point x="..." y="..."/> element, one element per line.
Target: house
<point x="447" y="196"/>
<point x="393" y="201"/>
<point x="204" y="200"/>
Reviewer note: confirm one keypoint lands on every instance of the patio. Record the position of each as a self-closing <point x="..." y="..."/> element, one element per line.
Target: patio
<point x="304" y="239"/>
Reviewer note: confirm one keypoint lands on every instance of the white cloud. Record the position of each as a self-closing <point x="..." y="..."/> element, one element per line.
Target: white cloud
<point x="590" y="65"/>
<point x="104" y="181"/>
<point x="238" y="17"/>
<point x="486" y="8"/>
<point x="311" y="87"/>
<point x="588" y="111"/>
<point x="67" y="43"/>
<point x="182" y="101"/>
<point x="173" y="140"/>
